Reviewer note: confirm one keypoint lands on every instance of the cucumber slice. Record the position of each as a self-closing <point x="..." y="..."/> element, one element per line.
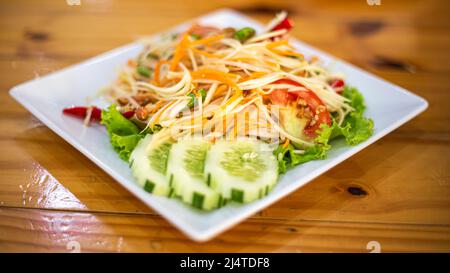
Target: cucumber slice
<point x="186" y="166"/>
<point x="242" y="170"/>
<point x="150" y="167"/>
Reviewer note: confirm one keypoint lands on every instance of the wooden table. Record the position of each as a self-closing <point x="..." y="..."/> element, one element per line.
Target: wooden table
<point x="52" y="198"/>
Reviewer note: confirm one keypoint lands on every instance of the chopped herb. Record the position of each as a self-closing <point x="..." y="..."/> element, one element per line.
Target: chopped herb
<point x="195" y="36"/>
<point x="244" y="34"/>
<point x="202" y="93"/>
<point x="156" y="128"/>
<point x="143" y="71"/>
<point x="152" y="56"/>
<point x="193" y="100"/>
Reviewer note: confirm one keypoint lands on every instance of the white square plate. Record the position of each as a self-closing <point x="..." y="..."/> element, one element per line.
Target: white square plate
<point x="388" y="105"/>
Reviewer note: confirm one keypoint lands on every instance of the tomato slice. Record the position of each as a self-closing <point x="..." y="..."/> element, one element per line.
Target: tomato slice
<point x="338" y="85"/>
<point x="282" y="97"/>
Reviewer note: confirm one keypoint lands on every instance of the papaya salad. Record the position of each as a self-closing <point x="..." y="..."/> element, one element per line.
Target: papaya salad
<point x="215" y="115"/>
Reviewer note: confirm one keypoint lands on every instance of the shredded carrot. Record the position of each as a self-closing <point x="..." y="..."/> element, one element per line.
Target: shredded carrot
<point x="272" y="64"/>
<point x="166" y="81"/>
<point x="131" y="62"/>
<point x="157" y="106"/>
<point x="277" y="44"/>
<point x="287" y="53"/>
<point x="286" y="143"/>
<point x="243" y="59"/>
<point x="184" y="42"/>
<point x="216" y="75"/>
<point x="235" y="125"/>
<point x="207" y="40"/>
<point x="224" y="124"/>
<point x="252" y="76"/>
<point x="204" y="53"/>
<point x="231" y="100"/>
<point x="247" y="122"/>
<point x="179" y="52"/>
<point x="221" y="89"/>
<point x="271" y="46"/>
<point x="153" y="82"/>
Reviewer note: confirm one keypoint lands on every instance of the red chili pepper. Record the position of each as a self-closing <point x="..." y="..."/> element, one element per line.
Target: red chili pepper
<point x="287" y="24"/>
<point x="81" y="111"/>
<point x="338" y="85"/>
<point x="128" y="114"/>
<point x="96" y="114"/>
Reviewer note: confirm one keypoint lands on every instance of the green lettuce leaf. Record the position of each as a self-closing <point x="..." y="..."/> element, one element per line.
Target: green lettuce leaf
<point x="287" y="158"/>
<point x="356" y="128"/>
<point x="124" y="134"/>
<point x="124" y="145"/>
<point x="116" y="123"/>
<point x="356" y="99"/>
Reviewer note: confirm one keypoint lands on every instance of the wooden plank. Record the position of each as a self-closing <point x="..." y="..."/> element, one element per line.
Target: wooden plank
<point x="41" y="230"/>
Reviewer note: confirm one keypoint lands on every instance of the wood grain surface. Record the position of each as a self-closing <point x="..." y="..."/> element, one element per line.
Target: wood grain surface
<point x="52" y="198"/>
